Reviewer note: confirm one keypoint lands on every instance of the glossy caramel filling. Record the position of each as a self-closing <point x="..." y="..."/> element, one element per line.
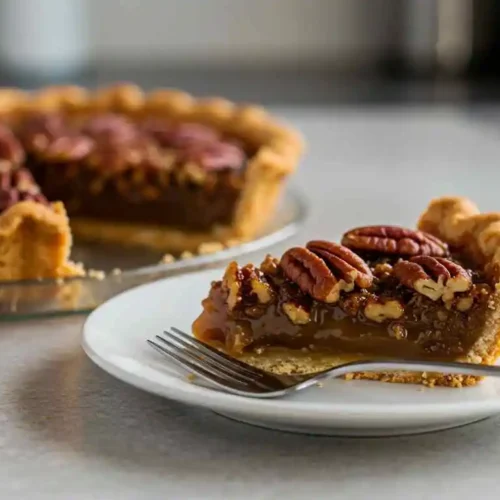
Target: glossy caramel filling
<point x="189" y="206"/>
<point x="427" y="329"/>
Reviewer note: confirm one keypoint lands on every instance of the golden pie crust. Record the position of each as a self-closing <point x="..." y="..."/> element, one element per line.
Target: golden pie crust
<point x="35" y="242"/>
<point x="278" y="149"/>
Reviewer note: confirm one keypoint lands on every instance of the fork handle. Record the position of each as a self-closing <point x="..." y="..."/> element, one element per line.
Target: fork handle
<point x="411" y="365"/>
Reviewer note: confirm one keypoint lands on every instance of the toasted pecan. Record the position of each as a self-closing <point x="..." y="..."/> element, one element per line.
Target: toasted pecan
<point x="394" y="240"/>
<point x="323" y="269"/>
<point x="434" y="277"/>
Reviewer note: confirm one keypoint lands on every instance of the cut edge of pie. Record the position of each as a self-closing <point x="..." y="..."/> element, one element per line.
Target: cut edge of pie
<point x="277" y="151"/>
<point x="35" y="242"/>
<point x="433" y="294"/>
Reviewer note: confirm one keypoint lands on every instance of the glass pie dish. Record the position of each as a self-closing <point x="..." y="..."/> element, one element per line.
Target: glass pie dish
<point x="120" y="268"/>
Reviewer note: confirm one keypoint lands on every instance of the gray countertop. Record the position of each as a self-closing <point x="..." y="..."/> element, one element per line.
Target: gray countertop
<point x="70" y="431"/>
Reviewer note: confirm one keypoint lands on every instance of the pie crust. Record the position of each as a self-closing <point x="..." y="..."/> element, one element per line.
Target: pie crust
<point x="35" y="242"/>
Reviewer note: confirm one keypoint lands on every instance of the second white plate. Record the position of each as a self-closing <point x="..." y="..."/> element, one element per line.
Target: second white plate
<point x="115" y="334"/>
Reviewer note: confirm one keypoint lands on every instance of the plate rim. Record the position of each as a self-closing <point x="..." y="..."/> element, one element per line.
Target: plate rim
<point x="197" y="395"/>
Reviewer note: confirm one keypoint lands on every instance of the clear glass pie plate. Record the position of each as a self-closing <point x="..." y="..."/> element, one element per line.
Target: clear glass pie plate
<point x="124" y="268"/>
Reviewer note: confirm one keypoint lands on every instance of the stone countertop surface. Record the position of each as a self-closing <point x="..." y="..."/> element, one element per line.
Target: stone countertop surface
<point x="70" y="431"/>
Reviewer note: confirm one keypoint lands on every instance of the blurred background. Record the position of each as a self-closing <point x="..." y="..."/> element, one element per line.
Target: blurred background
<point x="269" y="51"/>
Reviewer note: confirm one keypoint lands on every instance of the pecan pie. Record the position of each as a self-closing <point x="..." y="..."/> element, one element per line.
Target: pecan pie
<point x="161" y="170"/>
<point x="384" y="291"/>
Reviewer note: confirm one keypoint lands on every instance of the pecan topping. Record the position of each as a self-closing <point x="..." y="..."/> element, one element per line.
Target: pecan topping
<point x="40" y="129"/>
<point x="68" y="148"/>
<point x="245" y="286"/>
<point x="111" y="128"/>
<point x="18" y="185"/>
<point x="270" y="266"/>
<point x="394" y="240"/>
<point x="11" y="151"/>
<point x="324" y="269"/>
<point x="342" y="260"/>
<point x="379" y="309"/>
<point x="434" y="277"/>
<point x="180" y="136"/>
<point x="116" y="142"/>
<point x="296" y="313"/>
<point x="215" y="156"/>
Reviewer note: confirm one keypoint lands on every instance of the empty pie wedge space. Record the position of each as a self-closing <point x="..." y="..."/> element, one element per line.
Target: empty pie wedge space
<point x="160" y="170"/>
<point x="429" y="293"/>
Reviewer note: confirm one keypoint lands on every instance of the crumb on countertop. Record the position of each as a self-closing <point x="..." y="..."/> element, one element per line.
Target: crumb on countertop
<point x="96" y="274"/>
<point x="167" y="258"/>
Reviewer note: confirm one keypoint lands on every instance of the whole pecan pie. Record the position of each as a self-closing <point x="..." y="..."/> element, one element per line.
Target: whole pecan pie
<point x="161" y="170"/>
<point x="384" y="291"/>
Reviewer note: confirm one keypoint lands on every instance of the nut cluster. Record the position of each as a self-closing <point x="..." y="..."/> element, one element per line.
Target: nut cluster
<point x="327" y="271"/>
<point x="18" y="185"/>
<point x="245" y="287"/>
<point x="116" y="142"/>
<point x="335" y="274"/>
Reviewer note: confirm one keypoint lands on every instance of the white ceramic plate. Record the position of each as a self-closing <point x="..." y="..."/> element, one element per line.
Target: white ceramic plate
<point x="115" y="334"/>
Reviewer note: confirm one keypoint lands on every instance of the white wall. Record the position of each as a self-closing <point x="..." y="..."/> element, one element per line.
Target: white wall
<point x="247" y="31"/>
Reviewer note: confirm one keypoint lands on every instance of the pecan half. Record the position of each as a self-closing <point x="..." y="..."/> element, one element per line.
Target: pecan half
<point x="324" y="269"/>
<point x="343" y="262"/>
<point x="11" y="151"/>
<point x="181" y="136"/>
<point x="68" y="148"/>
<point x="111" y="128"/>
<point x="394" y="240"/>
<point x="215" y="156"/>
<point x="39" y="130"/>
<point x="434" y="277"/>
<point x="18" y="185"/>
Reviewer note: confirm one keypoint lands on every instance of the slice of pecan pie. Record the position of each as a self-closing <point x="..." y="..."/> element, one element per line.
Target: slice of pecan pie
<point x="385" y="291"/>
<point x="35" y="239"/>
<point x="161" y="170"/>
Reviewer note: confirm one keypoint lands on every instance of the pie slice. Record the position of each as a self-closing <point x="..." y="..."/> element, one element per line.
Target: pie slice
<point x="160" y="170"/>
<point x="384" y="292"/>
<point x="35" y="238"/>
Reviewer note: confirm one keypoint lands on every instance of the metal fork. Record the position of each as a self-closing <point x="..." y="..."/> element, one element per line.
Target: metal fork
<point x="236" y="377"/>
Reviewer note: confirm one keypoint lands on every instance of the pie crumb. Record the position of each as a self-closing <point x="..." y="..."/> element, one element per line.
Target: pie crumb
<point x="167" y="258"/>
<point x="232" y="243"/>
<point x="96" y="274"/>
<point x="210" y="247"/>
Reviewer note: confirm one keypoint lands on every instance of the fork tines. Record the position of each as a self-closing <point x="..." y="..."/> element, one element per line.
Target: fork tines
<point x="210" y="363"/>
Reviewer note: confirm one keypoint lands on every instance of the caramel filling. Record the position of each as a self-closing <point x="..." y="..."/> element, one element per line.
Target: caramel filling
<point x="124" y="197"/>
<point x="425" y="329"/>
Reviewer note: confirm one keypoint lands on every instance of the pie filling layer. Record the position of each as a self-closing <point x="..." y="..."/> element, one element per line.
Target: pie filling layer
<point x="404" y="297"/>
<point x="112" y="168"/>
<point x="425" y="331"/>
<point x="188" y="206"/>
